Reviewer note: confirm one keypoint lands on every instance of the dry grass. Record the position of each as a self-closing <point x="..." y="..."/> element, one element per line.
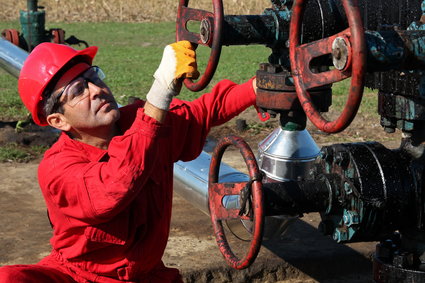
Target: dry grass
<point x="124" y="10"/>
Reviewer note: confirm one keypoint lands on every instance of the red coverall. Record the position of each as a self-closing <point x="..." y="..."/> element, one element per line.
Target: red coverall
<point x="111" y="209"/>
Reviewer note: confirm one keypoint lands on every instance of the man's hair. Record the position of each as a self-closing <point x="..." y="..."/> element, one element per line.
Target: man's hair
<point x="50" y="104"/>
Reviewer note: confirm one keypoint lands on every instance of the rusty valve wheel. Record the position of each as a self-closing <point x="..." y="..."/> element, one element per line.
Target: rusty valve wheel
<point x="209" y="35"/>
<point x="348" y="50"/>
<point x="58" y="36"/>
<point x="11" y="35"/>
<point x="251" y="202"/>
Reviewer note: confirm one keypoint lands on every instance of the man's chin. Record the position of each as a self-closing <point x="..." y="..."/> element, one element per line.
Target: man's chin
<point x="115" y="113"/>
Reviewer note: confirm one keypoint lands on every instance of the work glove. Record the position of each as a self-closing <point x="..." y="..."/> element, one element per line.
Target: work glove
<point x="178" y="62"/>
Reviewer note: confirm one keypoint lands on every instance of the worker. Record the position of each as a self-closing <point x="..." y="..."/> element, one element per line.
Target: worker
<point x="107" y="181"/>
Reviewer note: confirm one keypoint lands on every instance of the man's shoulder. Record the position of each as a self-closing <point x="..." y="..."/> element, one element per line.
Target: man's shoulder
<point x="65" y="148"/>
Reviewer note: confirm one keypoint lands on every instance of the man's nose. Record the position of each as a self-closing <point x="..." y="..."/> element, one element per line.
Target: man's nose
<point x="94" y="89"/>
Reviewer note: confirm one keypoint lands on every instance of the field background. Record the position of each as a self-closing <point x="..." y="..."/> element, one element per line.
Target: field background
<point x="131" y="36"/>
<point x="124" y="10"/>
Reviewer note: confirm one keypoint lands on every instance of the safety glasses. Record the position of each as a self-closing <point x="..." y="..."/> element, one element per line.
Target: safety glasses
<point x="77" y="89"/>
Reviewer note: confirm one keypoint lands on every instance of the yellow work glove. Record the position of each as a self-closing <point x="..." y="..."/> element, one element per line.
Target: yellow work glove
<point x="178" y="62"/>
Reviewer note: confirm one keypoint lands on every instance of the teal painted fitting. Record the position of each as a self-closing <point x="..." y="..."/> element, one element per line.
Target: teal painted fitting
<point x="340" y="235"/>
<point x="33" y="27"/>
<point x="405" y="125"/>
<point x="322" y="154"/>
<point x="351" y="232"/>
<point x="328" y="168"/>
<point x="351" y="217"/>
<point x="293" y="126"/>
<point x="347" y="188"/>
<point x="32" y="5"/>
<point x="349" y="173"/>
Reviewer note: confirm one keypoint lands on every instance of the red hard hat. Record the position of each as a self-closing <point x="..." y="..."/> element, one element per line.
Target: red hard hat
<point x="41" y="67"/>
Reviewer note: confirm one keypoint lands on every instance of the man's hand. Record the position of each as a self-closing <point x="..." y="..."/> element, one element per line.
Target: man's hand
<point x="178" y="62"/>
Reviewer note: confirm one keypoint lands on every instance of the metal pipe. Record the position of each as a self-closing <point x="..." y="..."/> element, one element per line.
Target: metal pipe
<point x="11" y="57"/>
<point x="191" y="181"/>
<point x="253" y="29"/>
<point x="32" y="5"/>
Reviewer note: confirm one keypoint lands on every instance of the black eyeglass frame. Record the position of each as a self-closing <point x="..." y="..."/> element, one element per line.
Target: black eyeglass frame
<point x="55" y="104"/>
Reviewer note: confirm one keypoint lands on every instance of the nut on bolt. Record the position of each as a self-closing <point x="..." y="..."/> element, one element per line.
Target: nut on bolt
<point x="340" y="53"/>
<point x="340" y="235"/>
<point x="205" y="31"/>
<point x="351" y="218"/>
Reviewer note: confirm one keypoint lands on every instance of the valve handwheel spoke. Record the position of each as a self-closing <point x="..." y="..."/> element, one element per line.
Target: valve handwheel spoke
<point x="253" y="210"/>
<point x="349" y="55"/>
<point x="209" y="35"/>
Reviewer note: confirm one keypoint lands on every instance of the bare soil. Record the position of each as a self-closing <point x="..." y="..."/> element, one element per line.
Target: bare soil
<point x="302" y="254"/>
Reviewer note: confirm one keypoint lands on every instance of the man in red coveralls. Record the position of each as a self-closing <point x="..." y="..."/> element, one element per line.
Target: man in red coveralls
<point x="107" y="181"/>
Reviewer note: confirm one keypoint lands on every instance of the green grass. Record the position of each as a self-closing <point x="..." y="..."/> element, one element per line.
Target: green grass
<point x="340" y="94"/>
<point x="129" y="53"/>
<point x="13" y="152"/>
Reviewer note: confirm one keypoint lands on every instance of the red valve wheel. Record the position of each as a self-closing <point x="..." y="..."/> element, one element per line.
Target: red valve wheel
<point x="58" y="36"/>
<point x="349" y="55"/>
<point x="11" y="35"/>
<point x="210" y="35"/>
<point x="251" y="200"/>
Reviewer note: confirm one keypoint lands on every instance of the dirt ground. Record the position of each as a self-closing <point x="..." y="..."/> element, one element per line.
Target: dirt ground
<point x="302" y="254"/>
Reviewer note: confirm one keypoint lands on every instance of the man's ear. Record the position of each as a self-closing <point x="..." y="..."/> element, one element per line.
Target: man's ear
<point x="58" y="121"/>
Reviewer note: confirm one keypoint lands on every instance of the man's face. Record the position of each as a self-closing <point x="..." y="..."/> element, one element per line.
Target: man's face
<point x="87" y="102"/>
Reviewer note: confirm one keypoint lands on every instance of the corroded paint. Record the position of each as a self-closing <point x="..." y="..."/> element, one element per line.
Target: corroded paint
<point x="11" y="35"/>
<point x="186" y="14"/>
<point x="216" y="192"/>
<point x="304" y="79"/>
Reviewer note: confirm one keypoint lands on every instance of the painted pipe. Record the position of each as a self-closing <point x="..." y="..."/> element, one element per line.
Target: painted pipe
<point x="191" y="181"/>
<point x="11" y="57"/>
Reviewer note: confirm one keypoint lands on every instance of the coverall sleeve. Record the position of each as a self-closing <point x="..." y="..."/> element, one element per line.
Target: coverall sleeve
<point x="94" y="191"/>
<point x="192" y="121"/>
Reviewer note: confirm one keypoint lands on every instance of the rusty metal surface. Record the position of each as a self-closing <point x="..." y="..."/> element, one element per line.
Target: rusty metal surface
<point x="58" y="36"/>
<point x="254" y="212"/>
<point x="276" y="91"/>
<point x="254" y="29"/>
<point x="11" y="35"/>
<point x="304" y="79"/>
<point x="215" y="20"/>
<point x="288" y="101"/>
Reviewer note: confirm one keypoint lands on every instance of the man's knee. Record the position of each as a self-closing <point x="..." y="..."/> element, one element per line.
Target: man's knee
<point x="10" y="273"/>
<point x="31" y="274"/>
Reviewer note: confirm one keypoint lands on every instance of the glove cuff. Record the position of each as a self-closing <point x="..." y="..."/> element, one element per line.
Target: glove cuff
<point x="160" y="96"/>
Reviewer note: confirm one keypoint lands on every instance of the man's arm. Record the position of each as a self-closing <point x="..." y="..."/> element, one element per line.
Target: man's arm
<point x="155" y="112"/>
<point x="178" y="62"/>
<point x="194" y="119"/>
